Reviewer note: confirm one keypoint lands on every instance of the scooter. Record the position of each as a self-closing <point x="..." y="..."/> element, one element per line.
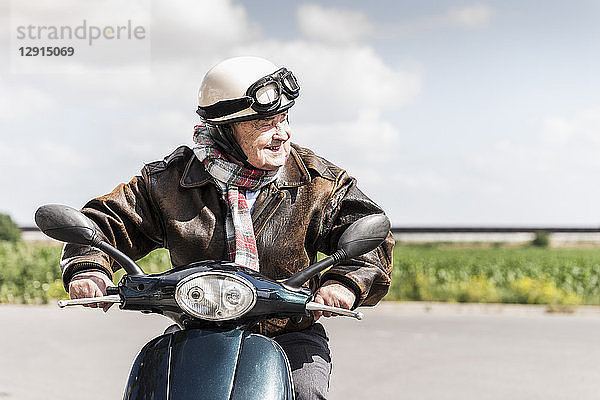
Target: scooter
<point x="214" y="354"/>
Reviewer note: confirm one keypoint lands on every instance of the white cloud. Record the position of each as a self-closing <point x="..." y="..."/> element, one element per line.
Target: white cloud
<point x="153" y="135"/>
<point x="20" y="101"/>
<point x="49" y="12"/>
<point x="555" y="166"/>
<point x="339" y="26"/>
<point x="475" y="16"/>
<point x="572" y="140"/>
<point x="336" y="25"/>
<point x="199" y="28"/>
<point x="367" y="137"/>
<point x="555" y="130"/>
<point x="587" y="124"/>
<point x="544" y="174"/>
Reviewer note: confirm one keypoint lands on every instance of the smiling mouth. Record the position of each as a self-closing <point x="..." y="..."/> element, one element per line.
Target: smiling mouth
<point x="274" y="148"/>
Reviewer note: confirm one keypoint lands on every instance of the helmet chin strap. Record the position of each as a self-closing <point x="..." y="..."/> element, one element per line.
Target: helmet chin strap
<point x="224" y="138"/>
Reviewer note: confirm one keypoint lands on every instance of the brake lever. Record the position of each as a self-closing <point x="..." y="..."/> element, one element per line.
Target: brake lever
<point x="314" y="306"/>
<point x="115" y="298"/>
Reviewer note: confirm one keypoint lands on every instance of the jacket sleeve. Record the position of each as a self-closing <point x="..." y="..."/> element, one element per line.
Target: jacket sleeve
<point x="127" y="219"/>
<point x="368" y="275"/>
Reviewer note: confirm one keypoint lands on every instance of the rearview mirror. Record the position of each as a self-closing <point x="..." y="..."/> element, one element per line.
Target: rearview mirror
<point x="66" y="224"/>
<point x="364" y="235"/>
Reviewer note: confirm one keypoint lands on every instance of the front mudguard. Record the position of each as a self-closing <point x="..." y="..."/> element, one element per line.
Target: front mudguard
<point x="210" y="365"/>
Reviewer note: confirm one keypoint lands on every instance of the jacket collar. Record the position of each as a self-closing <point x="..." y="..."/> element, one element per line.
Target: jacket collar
<point x="293" y="174"/>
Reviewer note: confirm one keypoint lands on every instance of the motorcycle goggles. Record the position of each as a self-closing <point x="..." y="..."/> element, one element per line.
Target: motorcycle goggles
<point x="266" y="92"/>
<point x="263" y="96"/>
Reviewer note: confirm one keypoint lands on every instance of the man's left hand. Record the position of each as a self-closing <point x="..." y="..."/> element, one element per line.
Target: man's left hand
<point x="333" y="293"/>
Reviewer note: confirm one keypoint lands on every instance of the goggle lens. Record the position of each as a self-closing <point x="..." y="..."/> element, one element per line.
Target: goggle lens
<point x="267" y="94"/>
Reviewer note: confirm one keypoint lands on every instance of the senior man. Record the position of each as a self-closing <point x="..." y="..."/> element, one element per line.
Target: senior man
<point x="244" y="193"/>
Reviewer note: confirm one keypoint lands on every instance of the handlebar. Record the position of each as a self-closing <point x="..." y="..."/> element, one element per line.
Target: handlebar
<point x="310" y="306"/>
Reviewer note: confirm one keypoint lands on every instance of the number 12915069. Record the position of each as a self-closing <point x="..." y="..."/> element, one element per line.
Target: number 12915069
<point x="47" y="51"/>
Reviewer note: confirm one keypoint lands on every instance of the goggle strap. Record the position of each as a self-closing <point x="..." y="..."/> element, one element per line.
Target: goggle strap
<point x="224" y="108"/>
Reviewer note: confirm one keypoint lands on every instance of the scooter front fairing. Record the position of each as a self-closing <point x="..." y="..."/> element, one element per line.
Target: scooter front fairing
<point x="206" y="364"/>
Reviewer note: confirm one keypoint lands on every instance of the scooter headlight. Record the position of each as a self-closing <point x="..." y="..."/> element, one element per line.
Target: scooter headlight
<point x="215" y="296"/>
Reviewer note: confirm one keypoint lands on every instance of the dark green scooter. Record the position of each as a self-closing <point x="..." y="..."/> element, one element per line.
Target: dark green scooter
<point x="213" y="354"/>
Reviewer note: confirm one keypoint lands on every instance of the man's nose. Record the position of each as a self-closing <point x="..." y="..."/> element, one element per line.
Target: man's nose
<point x="282" y="131"/>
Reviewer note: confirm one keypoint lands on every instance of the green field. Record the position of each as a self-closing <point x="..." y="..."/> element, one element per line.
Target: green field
<point x="433" y="272"/>
<point x="528" y="275"/>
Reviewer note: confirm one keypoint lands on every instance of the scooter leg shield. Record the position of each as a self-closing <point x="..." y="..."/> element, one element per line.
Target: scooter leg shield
<point x="263" y="371"/>
<point x="202" y="364"/>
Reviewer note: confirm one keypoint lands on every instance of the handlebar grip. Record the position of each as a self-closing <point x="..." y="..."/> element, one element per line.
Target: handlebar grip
<point x="112" y="290"/>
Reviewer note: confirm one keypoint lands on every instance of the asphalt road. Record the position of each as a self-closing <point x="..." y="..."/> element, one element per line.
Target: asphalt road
<point x="406" y="351"/>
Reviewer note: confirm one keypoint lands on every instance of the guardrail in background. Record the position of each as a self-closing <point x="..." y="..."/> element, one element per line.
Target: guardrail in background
<point x="530" y="229"/>
<point x="495" y="234"/>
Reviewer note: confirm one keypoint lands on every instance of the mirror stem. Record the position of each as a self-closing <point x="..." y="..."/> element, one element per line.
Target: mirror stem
<point x="128" y="265"/>
<point x="296" y="281"/>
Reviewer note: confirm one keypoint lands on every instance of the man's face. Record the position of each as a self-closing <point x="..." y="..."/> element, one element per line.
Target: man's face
<point x="266" y="142"/>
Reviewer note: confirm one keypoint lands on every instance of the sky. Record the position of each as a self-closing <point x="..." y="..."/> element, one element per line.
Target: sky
<point x="448" y="113"/>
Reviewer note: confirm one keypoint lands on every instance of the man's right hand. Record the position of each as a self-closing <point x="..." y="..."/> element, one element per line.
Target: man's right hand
<point x="90" y="284"/>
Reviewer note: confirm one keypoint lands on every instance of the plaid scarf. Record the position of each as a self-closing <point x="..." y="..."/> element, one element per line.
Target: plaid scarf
<point x="233" y="180"/>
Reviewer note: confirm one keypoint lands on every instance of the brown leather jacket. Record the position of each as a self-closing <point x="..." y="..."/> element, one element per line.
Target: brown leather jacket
<point x="175" y="204"/>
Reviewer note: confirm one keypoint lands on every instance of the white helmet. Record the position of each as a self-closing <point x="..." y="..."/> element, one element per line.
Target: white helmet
<point x="245" y="88"/>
